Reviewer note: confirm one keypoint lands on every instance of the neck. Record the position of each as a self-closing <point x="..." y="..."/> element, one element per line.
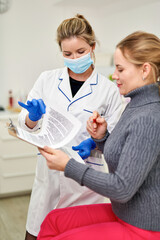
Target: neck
<point x="82" y="76"/>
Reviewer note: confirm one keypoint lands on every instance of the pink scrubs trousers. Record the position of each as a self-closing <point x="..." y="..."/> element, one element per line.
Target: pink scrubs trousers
<point x="90" y="222"/>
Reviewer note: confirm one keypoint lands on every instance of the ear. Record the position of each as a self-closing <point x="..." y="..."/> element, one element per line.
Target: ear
<point x="146" y="69"/>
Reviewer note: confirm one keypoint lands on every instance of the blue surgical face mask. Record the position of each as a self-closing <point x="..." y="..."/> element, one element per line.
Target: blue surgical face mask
<point x="79" y="65"/>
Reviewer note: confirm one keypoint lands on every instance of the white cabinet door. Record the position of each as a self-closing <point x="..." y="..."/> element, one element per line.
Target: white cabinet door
<point x="17" y="161"/>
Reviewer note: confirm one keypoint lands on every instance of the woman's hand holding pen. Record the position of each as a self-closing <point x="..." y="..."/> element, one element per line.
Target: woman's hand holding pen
<point x="56" y="159"/>
<point x="96" y="126"/>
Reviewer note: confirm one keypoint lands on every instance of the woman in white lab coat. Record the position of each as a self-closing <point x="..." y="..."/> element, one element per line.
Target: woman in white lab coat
<point x="78" y="89"/>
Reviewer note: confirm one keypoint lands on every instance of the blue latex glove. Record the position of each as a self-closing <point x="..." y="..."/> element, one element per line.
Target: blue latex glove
<point x="85" y="148"/>
<point x="35" y="107"/>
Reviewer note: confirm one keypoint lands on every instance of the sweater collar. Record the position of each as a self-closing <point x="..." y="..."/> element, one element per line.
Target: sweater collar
<point x="144" y="95"/>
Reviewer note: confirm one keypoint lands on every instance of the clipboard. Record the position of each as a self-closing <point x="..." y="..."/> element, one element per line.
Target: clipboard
<point x="12" y="130"/>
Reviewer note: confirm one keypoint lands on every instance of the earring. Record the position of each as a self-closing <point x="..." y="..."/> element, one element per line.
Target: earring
<point x="143" y="78"/>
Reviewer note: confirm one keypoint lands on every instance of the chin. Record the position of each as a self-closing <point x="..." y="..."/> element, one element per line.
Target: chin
<point x="122" y="92"/>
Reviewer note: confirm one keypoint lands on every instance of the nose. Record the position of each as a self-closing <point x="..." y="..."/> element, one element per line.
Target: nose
<point x="115" y="76"/>
<point x="74" y="56"/>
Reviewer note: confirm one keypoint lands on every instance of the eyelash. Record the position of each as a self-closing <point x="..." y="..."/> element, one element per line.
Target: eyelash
<point x="81" y="52"/>
<point x="69" y="54"/>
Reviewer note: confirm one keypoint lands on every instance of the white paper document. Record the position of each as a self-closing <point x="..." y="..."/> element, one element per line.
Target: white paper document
<point x="58" y="129"/>
<point x="72" y="154"/>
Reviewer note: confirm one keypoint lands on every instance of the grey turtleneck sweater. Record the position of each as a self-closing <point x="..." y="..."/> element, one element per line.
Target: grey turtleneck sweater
<point x="132" y="152"/>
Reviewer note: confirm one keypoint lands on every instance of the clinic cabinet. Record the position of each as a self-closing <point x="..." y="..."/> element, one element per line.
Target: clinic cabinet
<point x="17" y="160"/>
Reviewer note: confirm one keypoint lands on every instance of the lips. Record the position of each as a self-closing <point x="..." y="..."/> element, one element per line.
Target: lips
<point x="118" y="85"/>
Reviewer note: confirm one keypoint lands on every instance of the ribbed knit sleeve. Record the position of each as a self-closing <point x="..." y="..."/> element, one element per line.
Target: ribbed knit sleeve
<point x="100" y="142"/>
<point x="75" y="170"/>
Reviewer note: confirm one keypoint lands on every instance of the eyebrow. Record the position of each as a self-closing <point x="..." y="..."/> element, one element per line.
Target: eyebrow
<point x="66" y="51"/>
<point x="76" y="50"/>
<point x="81" y="48"/>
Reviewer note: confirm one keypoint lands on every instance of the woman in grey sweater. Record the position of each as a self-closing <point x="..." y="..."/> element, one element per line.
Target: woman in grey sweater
<point x="132" y="152"/>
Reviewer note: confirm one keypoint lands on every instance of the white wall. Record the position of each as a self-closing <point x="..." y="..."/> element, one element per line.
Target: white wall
<point x="28" y="44"/>
<point x="28" y="32"/>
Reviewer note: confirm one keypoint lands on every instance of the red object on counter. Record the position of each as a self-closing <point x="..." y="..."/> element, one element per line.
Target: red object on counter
<point x="10" y="99"/>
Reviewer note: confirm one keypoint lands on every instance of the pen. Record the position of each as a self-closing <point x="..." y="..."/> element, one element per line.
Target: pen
<point x="94" y="119"/>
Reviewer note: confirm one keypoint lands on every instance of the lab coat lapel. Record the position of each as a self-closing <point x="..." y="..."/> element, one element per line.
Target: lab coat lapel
<point x="87" y="87"/>
<point x="64" y="85"/>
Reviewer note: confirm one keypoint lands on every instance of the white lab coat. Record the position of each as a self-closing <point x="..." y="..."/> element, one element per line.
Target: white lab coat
<point x="51" y="188"/>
